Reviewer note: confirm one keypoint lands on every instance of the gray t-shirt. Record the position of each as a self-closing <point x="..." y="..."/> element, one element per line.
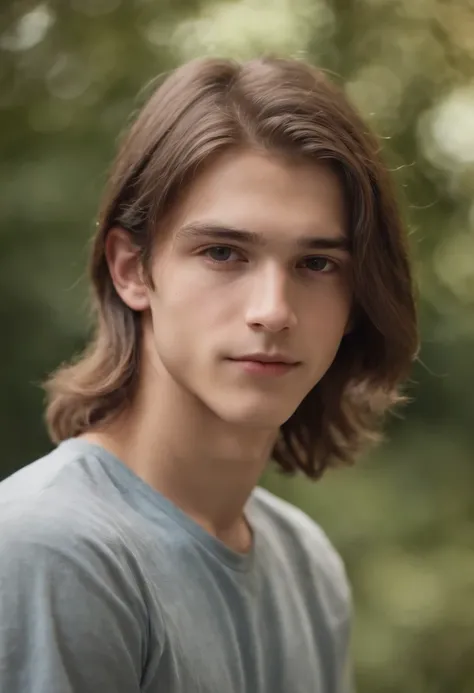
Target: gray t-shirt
<point x="107" y="587"/>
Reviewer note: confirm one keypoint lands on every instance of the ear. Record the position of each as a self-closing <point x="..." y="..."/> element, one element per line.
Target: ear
<point x="351" y="320"/>
<point x="125" y="267"/>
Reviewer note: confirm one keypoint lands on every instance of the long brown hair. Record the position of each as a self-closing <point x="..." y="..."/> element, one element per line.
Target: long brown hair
<point x="290" y="108"/>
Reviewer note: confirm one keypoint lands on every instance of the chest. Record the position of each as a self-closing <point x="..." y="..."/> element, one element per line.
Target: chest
<point x="227" y="633"/>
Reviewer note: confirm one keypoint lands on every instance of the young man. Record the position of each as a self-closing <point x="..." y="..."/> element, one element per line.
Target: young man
<point x="254" y="302"/>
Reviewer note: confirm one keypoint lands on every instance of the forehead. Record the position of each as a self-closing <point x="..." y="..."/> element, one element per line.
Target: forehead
<point x="281" y="200"/>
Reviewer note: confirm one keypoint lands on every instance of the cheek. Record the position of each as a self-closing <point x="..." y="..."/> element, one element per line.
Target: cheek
<point x="331" y="313"/>
<point x="201" y="296"/>
<point x="187" y="317"/>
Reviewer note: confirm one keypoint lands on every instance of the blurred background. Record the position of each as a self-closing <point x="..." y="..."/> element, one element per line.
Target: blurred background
<point x="73" y="71"/>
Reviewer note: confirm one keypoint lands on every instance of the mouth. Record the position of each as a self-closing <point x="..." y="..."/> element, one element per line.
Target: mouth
<point x="265" y="365"/>
<point x="267" y="359"/>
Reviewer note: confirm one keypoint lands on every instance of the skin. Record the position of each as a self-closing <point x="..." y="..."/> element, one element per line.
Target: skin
<point x="202" y="426"/>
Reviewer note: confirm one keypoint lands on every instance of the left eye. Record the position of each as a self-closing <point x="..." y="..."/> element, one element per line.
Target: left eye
<point x="319" y="264"/>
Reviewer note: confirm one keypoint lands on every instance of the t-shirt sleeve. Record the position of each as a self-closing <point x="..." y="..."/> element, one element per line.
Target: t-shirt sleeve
<point x="71" y="617"/>
<point x="334" y="600"/>
<point x="338" y="600"/>
<point x="344" y="670"/>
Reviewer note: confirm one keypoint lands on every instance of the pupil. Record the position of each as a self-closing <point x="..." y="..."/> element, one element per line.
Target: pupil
<point x="220" y="253"/>
<point x="318" y="263"/>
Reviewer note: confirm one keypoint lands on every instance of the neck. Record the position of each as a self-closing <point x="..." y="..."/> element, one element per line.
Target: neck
<point x="207" y="467"/>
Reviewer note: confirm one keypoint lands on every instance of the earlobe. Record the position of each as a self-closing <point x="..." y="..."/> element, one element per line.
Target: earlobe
<point x="350" y="324"/>
<point x="125" y="267"/>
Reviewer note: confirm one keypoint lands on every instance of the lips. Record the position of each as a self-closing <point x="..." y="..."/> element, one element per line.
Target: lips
<point x="258" y="367"/>
<point x="267" y="358"/>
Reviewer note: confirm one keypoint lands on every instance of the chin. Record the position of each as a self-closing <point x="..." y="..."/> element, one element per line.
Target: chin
<point x="264" y="415"/>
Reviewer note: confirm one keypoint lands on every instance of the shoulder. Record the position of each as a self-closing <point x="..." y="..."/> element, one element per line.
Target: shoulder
<point x="290" y="520"/>
<point x="53" y="517"/>
<point x="47" y="499"/>
<point x="307" y="545"/>
<point x="70" y="581"/>
<point x="63" y="496"/>
<point x="68" y="544"/>
<point x="65" y="561"/>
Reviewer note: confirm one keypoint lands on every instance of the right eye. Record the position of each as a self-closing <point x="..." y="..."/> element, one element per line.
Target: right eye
<point x="221" y="254"/>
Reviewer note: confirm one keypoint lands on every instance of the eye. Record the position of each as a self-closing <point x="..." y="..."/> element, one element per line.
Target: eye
<point x="221" y="253"/>
<point x="319" y="264"/>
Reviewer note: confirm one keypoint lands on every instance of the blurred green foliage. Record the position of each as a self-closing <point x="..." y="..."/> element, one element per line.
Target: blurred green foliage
<point x="403" y="519"/>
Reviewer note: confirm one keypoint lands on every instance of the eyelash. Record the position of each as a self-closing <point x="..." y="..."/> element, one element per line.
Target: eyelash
<point x="333" y="264"/>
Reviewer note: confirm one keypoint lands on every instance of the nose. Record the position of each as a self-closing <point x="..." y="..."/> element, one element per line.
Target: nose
<point x="270" y="307"/>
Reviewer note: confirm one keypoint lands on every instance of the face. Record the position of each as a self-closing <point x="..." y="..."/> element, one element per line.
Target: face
<point x="254" y="268"/>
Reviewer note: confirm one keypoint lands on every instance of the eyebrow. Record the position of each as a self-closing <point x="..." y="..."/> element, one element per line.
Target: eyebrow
<point x="221" y="233"/>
